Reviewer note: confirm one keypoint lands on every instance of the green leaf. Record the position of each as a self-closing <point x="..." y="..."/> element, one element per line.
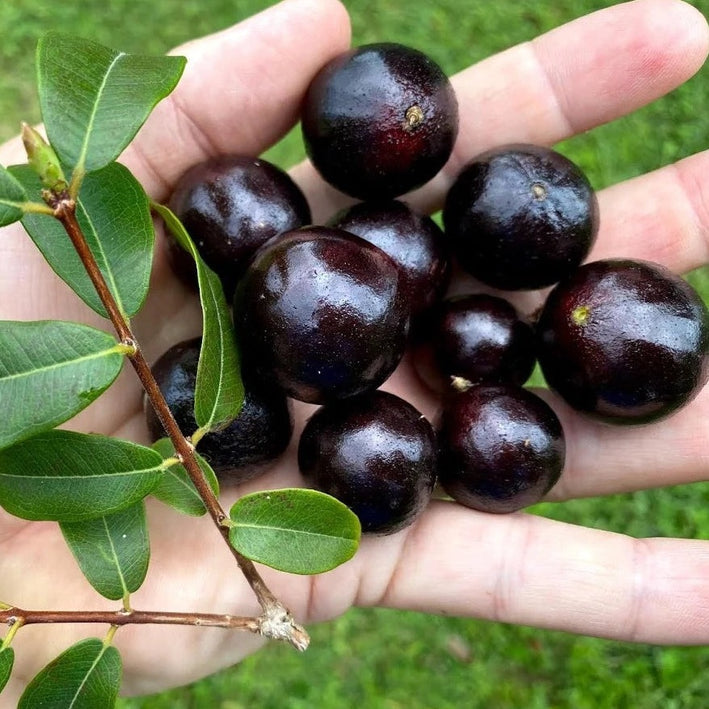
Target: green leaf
<point x="7" y="660"/>
<point x="176" y="488"/>
<point x="49" y="371"/>
<point x="65" y="476"/>
<point x="295" y="530"/>
<point x="12" y="198"/>
<point x="114" y="214"/>
<point x="94" y="99"/>
<point x="219" y="391"/>
<point x="86" y="676"/>
<point x="112" y="551"/>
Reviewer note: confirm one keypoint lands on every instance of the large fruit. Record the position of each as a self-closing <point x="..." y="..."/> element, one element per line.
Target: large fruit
<point x="379" y="120"/>
<point x="231" y="205"/>
<point x="501" y="448"/>
<point x="375" y="453"/>
<point x="321" y="312"/>
<point x="624" y="341"/>
<point x="521" y="217"/>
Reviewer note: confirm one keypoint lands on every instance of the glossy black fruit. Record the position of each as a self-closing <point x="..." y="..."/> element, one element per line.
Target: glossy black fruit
<point x="474" y="339"/>
<point x="624" y="341"/>
<point x="259" y="434"/>
<point x="521" y="217"/>
<point x="230" y="205"/>
<point x="379" y="120"/>
<point x="501" y="448"/>
<point x="321" y="311"/>
<point x="414" y="241"/>
<point x="375" y="453"/>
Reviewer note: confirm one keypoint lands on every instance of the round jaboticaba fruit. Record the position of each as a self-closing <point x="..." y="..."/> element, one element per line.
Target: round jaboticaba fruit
<point x="321" y="312"/>
<point x="376" y="454"/>
<point x="501" y="448"/>
<point x="239" y="452"/>
<point x="625" y="341"/>
<point x="473" y="339"/>
<point x="521" y="217"/>
<point x="414" y="241"/>
<point x="231" y="205"/>
<point x="379" y="120"/>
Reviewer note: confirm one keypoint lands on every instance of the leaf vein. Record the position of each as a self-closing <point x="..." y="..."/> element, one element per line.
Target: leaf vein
<point x="92" y="118"/>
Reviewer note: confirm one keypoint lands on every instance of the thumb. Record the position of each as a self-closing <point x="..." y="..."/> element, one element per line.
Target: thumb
<point x="241" y="90"/>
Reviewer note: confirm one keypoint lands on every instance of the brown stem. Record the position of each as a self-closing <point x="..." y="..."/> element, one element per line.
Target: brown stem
<point x="131" y="617"/>
<point x="65" y="211"/>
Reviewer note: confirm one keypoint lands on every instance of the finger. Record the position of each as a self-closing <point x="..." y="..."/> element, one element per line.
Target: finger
<point x="602" y="459"/>
<point x="662" y="216"/>
<point x="240" y="91"/>
<point x="534" y="571"/>
<point x="583" y="74"/>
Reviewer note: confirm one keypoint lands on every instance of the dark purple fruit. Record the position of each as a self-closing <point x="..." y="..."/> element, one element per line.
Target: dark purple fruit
<point x="474" y="339"/>
<point x="379" y="120"/>
<point x="376" y="454"/>
<point x="414" y="241"/>
<point x="624" y="341"/>
<point x="501" y="448"/>
<point x="321" y="311"/>
<point x="521" y="217"/>
<point x="230" y="205"/>
<point x="258" y="435"/>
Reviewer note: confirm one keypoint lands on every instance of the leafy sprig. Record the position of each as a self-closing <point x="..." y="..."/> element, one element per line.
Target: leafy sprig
<point x="90" y="218"/>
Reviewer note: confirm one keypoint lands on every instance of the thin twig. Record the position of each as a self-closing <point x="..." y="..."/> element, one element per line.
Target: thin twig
<point x="275" y="614"/>
<point x="132" y="617"/>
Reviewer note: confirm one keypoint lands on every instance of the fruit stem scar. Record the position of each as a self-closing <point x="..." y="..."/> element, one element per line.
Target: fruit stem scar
<point x="539" y="191"/>
<point x="460" y="383"/>
<point x="413" y="117"/>
<point x="581" y="315"/>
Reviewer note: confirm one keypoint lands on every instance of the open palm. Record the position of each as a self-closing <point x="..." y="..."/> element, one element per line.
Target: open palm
<point x="240" y="93"/>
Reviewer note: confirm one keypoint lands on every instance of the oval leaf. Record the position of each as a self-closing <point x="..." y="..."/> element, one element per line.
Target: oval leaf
<point x="74" y="362"/>
<point x="86" y="676"/>
<point x="219" y="391"/>
<point x="176" y="488"/>
<point x="94" y="99"/>
<point x="112" y="551"/>
<point x="7" y="660"/>
<point x="65" y="476"/>
<point x="114" y="214"/>
<point x="295" y="530"/>
<point x="12" y="198"/>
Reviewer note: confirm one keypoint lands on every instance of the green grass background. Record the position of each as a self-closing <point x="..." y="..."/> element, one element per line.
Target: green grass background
<point x="378" y="659"/>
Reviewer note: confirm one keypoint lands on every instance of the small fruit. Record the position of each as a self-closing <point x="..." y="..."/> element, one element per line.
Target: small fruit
<point x="414" y="241"/>
<point x="624" y="341"/>
<point x="501" y="448"/>
<point x="376" y="454"/>
<point x="521" y="217"/>
<point x="474" y="339"/>
<point x="258" y="435"/>
<point x="230" y="205"/>
<point x="379" y="120"/>
<point x="321" y="311"/>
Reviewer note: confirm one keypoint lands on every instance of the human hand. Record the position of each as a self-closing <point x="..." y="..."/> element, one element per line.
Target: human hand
<point x="515" y="568"/>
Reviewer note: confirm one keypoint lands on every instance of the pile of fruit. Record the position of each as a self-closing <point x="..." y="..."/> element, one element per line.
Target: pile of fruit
<point x="324" y="313"/>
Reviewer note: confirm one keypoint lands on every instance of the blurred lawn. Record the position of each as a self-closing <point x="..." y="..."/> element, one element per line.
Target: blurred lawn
<point x="379" y="659"/>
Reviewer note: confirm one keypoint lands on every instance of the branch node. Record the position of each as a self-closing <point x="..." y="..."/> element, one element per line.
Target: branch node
<point x="276" y="623"/>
